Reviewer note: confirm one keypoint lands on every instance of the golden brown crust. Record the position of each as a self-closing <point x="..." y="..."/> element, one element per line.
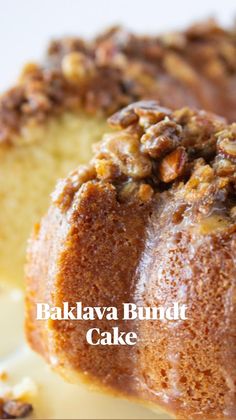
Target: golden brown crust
<point x="150" y="220"/>
<point x="196" y="68"/>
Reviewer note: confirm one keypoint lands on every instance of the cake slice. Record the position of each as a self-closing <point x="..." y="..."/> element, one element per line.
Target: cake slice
<point x="151" y="221"/>
<point x="58" y="108"/>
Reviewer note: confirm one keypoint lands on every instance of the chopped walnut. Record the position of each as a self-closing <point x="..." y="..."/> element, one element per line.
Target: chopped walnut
<point x="146" y="112"/>
<point x="161" y="138"/>
<point x="180" y="69"/>
<point x="227" y="148"/>
<point x="76" y="67"/>
<point x="172" y="166"/>
<point x="123" y="148"/>
<point x="123" y="118"/>
<point x="108" y="53"/>
<point x="203" y="186"/>
<point x="224" y="167"/>
<point x="149" y="114"/>
<point x="106" y="169"/>
<point x="127" y="190"/>
<point x="145" y="192"/>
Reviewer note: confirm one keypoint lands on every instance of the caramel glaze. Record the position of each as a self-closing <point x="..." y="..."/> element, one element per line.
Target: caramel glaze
<point x="116" y="232"/>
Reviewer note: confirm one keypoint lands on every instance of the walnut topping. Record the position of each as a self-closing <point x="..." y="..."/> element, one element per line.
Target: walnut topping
<point x="123" y="118"/>
<point x="14" y="409"/>
<point x="227" y="148"/>
<point x="180" y="69"/>
<point x="193" y="68"/>
<point x="127" y="190"/>
<point x="224" y="167"/>
<point x="131" y="189"/>
<point x="76" y="67"/>
<point x="145" y="192"/>
<point x="172" y="166"/>
<point x="123" y="148"/>
<point x="141" y="160"/>
<point x="161" y="138"/>
<point x="106" y="169"/>
<point x="146" y="112"/>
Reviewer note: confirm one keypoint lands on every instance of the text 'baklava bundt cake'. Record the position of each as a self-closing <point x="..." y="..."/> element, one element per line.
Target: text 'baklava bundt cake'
<point x="49" y="120"/>
<point x="150" y="220"/>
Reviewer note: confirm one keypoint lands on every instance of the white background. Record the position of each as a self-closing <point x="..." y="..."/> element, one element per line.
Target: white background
<point x="26" y="26"/>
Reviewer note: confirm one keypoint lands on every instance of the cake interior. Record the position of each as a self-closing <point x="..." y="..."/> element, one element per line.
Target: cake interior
<point x="28" y="172"/>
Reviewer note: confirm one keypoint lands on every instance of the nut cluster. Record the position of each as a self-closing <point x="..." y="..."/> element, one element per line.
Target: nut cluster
<point x="155" y="144"/>
<point x="152" y="149"/>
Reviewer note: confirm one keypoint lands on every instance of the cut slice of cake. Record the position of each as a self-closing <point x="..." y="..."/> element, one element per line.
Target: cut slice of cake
<point x="58" y="108"/>
<point x="150" y="220"/>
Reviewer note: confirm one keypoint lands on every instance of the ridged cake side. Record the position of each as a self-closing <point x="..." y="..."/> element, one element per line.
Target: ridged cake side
<point x="150" y="220"/>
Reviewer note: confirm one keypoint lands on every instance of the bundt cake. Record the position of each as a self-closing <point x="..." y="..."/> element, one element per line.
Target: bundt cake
<point x="48" y="121"/>
<point x="151" y="221"/>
